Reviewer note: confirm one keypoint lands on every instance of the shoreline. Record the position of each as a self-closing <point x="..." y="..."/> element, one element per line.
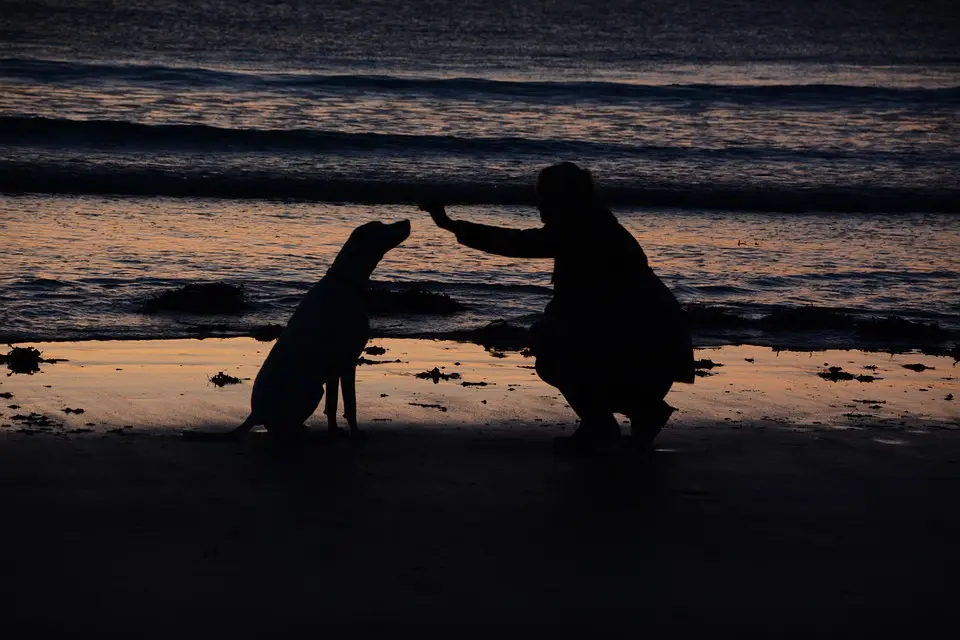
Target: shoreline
<point x="156" y="385"/>
<point x="507" y="341"/>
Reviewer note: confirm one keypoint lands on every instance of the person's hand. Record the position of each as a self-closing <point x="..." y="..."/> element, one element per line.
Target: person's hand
<point x="438" y="212"/>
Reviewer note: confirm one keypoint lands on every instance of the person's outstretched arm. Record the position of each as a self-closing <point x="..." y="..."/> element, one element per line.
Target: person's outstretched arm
<point x="512" y="243"/>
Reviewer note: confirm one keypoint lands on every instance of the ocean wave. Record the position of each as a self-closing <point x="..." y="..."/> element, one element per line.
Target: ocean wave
<point x="113" y="134"/>
<point x="52" y="71"/>
<point x="42" y="284"/>
<point x="75" y="179"/>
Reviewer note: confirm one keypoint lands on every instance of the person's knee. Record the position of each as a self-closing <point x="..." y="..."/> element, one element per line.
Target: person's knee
<point x="549" y="370"/>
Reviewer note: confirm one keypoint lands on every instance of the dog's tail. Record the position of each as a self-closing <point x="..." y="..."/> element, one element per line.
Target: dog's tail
<point x="221" y="436"/>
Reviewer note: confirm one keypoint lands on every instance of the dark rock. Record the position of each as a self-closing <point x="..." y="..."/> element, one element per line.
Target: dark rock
<point x="706" y="317"/>
<point x="374" y="351"/>
<point x="382" y="301"/>
<point x="199" y="298"/>
<point x="952" y="352"/>
<point x="805" y="318"/>
<point x="917" y="367"/>
<point x="894" y="328"/>
<point x="498" y="335"/>
<point x="267" y="332"/>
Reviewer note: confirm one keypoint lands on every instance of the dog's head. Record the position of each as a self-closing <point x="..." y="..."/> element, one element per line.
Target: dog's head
<point x="367" y="245"/>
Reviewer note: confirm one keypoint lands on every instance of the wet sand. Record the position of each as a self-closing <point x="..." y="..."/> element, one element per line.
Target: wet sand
<point x="790" y="518"/>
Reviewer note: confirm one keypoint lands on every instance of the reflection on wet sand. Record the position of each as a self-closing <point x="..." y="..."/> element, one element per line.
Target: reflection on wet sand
<point x="164" y="385"/>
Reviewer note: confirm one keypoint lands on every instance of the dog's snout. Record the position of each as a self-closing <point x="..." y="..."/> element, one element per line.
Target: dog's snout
<point x="404" y="226"/>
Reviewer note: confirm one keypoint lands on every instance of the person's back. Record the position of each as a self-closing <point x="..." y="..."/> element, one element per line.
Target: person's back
<point x="604" y="284"/>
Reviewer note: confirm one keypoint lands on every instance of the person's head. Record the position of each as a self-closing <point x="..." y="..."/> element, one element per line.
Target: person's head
<point x="564" y="192"/>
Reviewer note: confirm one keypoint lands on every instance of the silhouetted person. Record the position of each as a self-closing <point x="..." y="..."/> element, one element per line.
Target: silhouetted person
<point x="614" y="338"/>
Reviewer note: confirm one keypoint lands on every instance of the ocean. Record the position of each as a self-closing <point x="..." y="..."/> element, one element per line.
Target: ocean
<point x="791" y="169"/>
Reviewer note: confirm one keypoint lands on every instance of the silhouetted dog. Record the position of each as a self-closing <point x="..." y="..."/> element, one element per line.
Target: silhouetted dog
<point x="320" y="344"/>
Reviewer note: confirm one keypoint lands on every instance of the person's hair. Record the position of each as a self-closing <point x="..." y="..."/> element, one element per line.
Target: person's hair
<point x="567" y="183"/>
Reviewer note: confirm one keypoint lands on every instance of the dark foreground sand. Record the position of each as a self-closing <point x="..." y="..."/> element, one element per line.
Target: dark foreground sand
<point x="779" y="503"/>
<point x="763" y="531"/>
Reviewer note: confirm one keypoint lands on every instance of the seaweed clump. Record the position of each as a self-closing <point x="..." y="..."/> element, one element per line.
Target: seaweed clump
<point x="35" y="420"/>
<point x="201" y="298"/>
<point x="706" y="363"/>
<point x="702" y="368"/>
<point x="25" y="360"/>
<point x="836" y="374"/>
<point x="437" y="376"/>
<point x="223" y="379"/>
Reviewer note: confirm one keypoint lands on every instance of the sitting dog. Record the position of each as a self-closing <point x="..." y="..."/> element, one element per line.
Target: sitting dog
<point x="320" y="344"/>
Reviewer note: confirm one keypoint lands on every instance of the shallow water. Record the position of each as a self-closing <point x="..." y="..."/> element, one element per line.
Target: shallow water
<point x="242" y="126"/>
<point x="79" y="267"/>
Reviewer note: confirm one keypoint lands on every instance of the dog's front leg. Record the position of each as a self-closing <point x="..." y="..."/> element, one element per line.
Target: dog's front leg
<point x="330" y="408"/>
<point x="349" y="382"/>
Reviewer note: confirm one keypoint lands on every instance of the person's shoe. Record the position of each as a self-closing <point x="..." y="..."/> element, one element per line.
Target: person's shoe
<point x="588" y="440"/>
<point x="645" y="428"/>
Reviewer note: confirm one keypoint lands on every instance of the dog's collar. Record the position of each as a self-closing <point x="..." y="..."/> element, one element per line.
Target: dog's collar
<point x="360" y="288"/>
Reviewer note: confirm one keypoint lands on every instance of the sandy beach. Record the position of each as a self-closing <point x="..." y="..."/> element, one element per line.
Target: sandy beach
<point x="776" y="503"/>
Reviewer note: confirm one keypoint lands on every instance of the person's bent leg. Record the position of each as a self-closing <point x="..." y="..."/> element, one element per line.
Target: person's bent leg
<point x="565" y="369"/>
<point x="596" y="417"/>
<point x="645" y="407"/>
